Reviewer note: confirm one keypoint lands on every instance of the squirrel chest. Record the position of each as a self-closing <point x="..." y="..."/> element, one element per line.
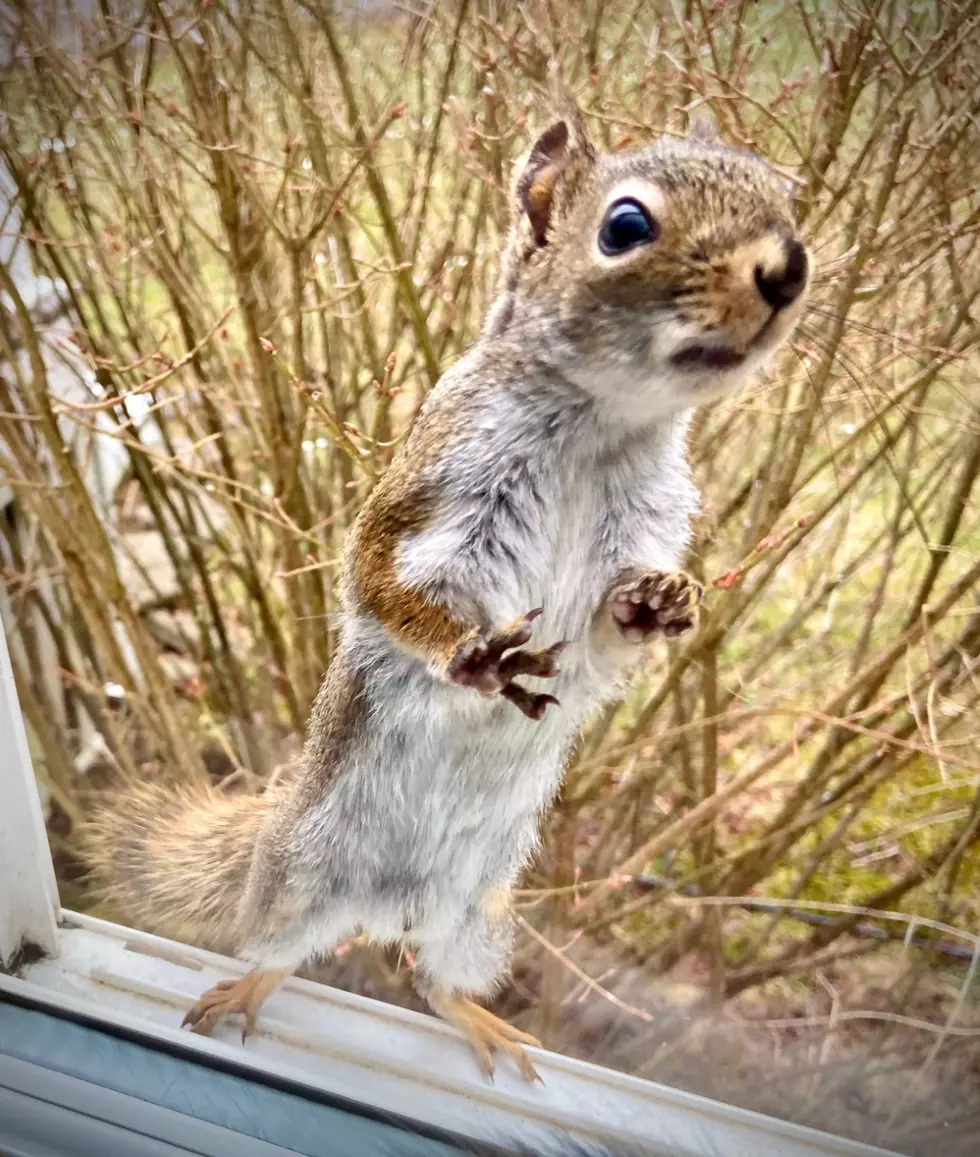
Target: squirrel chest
<point x="539" y="505"/>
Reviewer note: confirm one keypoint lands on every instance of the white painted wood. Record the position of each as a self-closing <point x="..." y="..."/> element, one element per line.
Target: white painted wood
<point x="28" y="892"/>
<point x="393" y="1059"/>
<point x="46" y="674"/>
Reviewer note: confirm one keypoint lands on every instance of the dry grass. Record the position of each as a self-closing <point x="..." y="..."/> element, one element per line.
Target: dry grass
<point x="271" y="223"/>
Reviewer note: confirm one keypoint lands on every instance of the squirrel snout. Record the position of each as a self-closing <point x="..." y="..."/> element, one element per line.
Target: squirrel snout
<point x="782" y="284"/>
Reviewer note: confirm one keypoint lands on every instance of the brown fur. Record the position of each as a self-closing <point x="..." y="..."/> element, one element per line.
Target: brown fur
<point x="174" y="859"/>
<point x="419" y="624"/>
<point x="399" y="505"/>
<point x="273" y="900"/>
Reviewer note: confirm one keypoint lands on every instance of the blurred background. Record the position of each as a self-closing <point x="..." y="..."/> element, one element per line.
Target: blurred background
<point x="242" y="238"/>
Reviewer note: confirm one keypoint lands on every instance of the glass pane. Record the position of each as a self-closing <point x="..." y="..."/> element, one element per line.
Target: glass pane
<point x="245" y="1107"/>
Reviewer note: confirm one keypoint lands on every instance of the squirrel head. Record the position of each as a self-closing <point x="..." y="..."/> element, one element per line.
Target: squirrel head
<point x="655" y="279"/>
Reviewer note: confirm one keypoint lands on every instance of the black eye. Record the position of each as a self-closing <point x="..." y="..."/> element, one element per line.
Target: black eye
<point x="626" y="225"/>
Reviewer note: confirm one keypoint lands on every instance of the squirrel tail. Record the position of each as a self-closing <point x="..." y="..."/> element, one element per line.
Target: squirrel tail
<point x="174" y="859"/>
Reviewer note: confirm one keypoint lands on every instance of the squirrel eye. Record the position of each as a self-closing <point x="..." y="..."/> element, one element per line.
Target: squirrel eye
<point x="626" y="225"/>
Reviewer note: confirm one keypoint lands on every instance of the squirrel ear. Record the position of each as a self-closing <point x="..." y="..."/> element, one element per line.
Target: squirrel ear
<point x="557" y="153"/>
<point x="704" y="129"/>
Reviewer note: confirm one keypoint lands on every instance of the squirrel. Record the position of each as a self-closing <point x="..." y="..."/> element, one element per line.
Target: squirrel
<point x="542" y="494"/>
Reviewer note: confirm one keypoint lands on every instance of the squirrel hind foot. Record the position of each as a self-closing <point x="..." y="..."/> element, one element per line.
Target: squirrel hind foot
<point x="487" y="1034"/>
<point x="245" y="994"/>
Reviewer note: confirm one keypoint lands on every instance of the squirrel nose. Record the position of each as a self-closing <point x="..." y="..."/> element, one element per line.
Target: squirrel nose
<point x="779" y="287"/>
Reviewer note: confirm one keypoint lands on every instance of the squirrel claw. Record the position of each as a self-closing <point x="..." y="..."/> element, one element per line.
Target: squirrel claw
<point x="544" y="663"/>
<point x="533" y="706"/>
<point x="488" y="1034"/>
<point x="244" y="994"/>
<point x="480" y="662"/>
<point x="659" y="601"/>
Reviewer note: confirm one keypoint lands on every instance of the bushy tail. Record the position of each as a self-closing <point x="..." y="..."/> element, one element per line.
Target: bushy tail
<point x="174" y="859"/>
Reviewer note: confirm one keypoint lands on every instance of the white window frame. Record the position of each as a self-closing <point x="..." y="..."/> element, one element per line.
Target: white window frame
<point x="323" y="1039"/>
<point x="28" y="891"/>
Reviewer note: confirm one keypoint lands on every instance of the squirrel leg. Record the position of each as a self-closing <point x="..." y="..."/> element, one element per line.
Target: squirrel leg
<point x="244" y="995"/>
<point x="460" y="959"/>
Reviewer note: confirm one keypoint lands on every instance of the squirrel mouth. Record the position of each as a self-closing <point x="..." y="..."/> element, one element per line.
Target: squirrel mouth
<point x="707" y="357"/>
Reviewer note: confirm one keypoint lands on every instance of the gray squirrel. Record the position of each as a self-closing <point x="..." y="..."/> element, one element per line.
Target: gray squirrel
<point x="543" y="494"/>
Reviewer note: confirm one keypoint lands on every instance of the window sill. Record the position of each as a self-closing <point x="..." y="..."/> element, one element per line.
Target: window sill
<point x="387" y="1058"/>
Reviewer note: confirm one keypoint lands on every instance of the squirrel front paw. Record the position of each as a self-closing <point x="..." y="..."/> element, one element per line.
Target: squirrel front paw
<point x="480" y="662"/>
<point x="655" y="602"/>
